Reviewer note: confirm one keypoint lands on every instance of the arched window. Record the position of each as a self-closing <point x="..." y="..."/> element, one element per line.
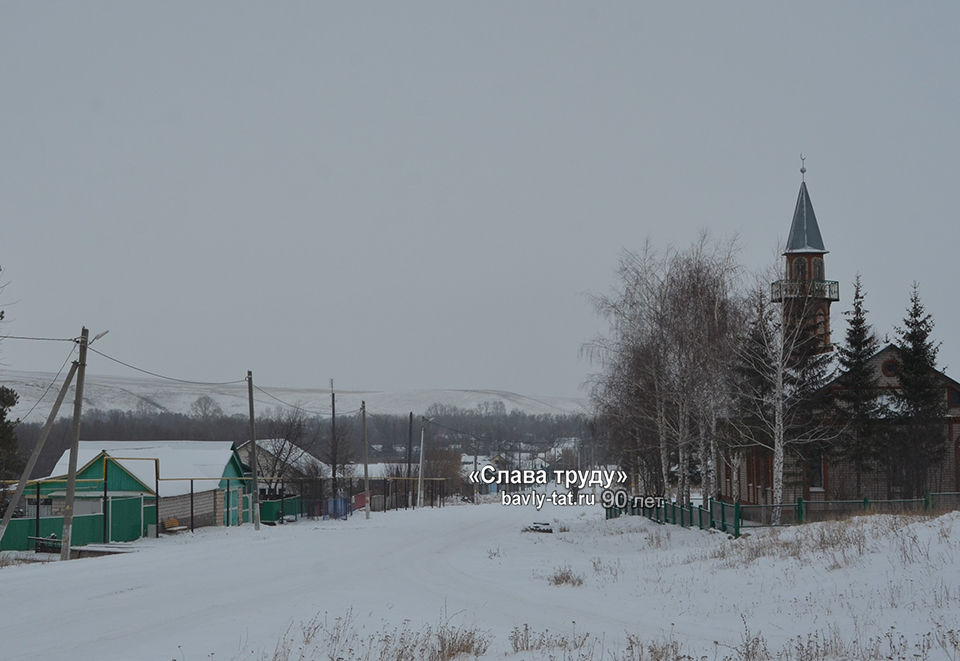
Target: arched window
<point x="800" y="269"/>
<point x="818" y="268"/>
<point x="821" y="325"/>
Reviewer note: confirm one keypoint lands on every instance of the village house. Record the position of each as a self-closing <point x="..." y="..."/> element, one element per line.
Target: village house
<point x="199" y="483"/>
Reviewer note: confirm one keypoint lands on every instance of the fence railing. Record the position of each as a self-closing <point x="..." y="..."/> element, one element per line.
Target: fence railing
<point x="733" y="518"/>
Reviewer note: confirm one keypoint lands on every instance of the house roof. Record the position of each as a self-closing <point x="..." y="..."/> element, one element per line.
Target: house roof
<point x="893" y="351"/>
<point x="804" y="231"/>
<point x="204" y="461"/>
<point x="294" y="456"/>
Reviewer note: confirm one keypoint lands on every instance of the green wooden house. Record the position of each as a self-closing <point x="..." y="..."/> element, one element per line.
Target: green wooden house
<point x="199" y="483"/>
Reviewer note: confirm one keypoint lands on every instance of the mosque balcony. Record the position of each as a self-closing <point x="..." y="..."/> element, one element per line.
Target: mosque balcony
<point x="782" y="290"/>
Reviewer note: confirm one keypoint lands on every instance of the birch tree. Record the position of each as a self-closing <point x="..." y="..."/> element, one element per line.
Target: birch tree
<point x="669" y="342"/>
<point x="782" y="371"/>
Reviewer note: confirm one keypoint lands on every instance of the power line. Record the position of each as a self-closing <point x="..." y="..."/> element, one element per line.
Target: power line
<point x="50" y="385"/>
<point x="162" y="376"/>
<point x="285" y="403"/>
<point x="39" y="339"/>
<point x="301" y="408"/>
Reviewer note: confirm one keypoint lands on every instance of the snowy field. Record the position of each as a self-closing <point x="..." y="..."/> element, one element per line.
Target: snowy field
<point x="404" y="584"/>
<point x="132" y="393"/>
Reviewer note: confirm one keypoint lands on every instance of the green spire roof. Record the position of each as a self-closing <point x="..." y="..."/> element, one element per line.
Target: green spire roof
<point x="804" y="231"/>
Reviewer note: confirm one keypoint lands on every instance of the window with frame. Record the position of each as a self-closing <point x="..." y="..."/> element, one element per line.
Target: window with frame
<point x="815" y="472"/>
<point x="820" y="321"/>
<point x="818" y="268"/>
<point x="800" y="269"/>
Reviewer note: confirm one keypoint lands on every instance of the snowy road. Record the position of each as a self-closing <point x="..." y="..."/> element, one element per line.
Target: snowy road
<point x="232" y="593"/>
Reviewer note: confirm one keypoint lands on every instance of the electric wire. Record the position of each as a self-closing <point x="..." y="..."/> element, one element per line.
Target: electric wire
<point x="49" y="386"/>
<point x="39" y="339"/>
<point x="303" y="408"/>
<point x="285" y="403"/>
<point x="163" y="376"/>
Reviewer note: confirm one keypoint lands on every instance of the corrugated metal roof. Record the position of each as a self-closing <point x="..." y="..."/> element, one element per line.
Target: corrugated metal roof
<point x="178" y="459"/>
<point x="804" y="231"/>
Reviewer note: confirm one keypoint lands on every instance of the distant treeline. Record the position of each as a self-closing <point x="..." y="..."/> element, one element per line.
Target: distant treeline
<point x="487" y="430"/>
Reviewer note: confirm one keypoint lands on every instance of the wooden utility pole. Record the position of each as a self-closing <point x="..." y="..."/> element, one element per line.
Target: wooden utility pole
<point x="255" y="496"/>
<point x="409" y="451"/>
<point x="334" y="450"/>
<point x="81" y="364"/>
<point x="366" y="467"/>
<point x="32" y="461"/>
<point x="423" y="424"/>
<point x="476" y="450"/>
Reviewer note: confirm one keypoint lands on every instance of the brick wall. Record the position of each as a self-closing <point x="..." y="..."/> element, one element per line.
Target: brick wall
<point x="207" y="508"/>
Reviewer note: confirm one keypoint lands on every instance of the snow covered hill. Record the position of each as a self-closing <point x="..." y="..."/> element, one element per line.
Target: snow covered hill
<point x="873" y="587"/>
<point x="128" y="394"/>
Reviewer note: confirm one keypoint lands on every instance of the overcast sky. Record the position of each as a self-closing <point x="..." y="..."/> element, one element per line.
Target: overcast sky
<point x="418" y="195"/>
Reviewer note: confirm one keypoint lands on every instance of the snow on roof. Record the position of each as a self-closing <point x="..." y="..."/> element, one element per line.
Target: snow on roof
<point x="178" y="459"/>
<point x="293" y="455"/>
<point x="376" y="471"/>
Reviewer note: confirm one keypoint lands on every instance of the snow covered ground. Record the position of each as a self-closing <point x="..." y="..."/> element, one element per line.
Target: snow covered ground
<point x="875" y="587"/>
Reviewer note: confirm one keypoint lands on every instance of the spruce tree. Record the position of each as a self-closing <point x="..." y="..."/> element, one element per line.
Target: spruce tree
<point x="858" y="403"/>
<point x="9" y="461"/>
<point x="920" y="401"/>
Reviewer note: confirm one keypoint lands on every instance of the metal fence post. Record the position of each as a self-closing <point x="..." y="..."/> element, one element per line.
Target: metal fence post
<point x="799" y="509"/>
<point x="723" y="516"/>
<point x="37" y="519"/>
<point x="866" y="504"/>
<point x="736" y="519"/>
<point x="926" y="501"/>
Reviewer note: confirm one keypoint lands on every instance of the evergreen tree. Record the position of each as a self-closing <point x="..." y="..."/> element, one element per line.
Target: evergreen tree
<point x="9" y="461"/>
<point x="858" y="403"/>
<point x="920" y="440"/>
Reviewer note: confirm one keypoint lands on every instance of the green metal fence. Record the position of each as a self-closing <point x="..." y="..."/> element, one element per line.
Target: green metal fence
<point x="733" y="518"/>
<point x="127" y="518"/>
<point x="274" y="510"/>
<point x="87" y="529"/>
